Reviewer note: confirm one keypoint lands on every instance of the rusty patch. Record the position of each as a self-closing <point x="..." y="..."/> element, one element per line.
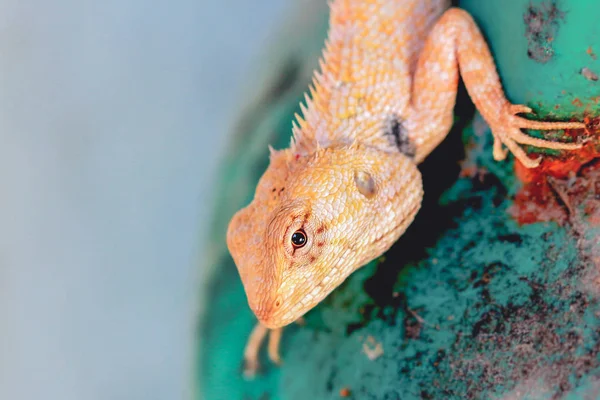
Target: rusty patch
<point x="577" y="103"/>
<point x="592" y="123"/>
<point x="538" y="201"/>
<point x="555" y="189"/>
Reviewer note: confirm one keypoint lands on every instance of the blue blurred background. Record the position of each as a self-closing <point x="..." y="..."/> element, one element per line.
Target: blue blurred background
<point x="114" y="116"/>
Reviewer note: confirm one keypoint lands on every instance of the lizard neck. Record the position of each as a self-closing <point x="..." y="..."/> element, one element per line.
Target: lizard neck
<point x="384" y="132"/>
<point x="362" y="92"/>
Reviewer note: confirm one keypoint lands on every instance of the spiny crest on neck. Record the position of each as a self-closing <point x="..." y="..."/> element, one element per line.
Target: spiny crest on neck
<point x="315" y="109"/>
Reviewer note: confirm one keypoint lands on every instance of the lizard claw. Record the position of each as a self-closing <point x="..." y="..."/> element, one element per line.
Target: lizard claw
<point x="520" y="109"/>
<point x="507" y="131"/>
<point x="499" y="152"/>
<point x="250" y="368"/>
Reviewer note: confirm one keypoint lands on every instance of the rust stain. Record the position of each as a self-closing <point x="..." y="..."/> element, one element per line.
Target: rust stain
<point x="537" y="200"/>
<point x="591" y="53"/>
<point x="592" y="124"/>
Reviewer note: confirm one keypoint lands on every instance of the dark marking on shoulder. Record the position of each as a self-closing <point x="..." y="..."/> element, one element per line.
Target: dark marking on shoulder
<point x="321" y="229"/>
<point x="313" y="259"/>
<point x="395" y="130"/>
<point x="320" y="244"/>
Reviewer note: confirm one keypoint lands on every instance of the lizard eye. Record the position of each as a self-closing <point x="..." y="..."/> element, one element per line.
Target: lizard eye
<point x="298" y="238"/>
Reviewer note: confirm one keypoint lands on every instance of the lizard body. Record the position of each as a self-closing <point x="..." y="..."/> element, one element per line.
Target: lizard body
<point x="348" y="186"/>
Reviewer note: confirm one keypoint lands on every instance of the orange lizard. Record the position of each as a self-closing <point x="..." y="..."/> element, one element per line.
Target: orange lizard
<point x="348" y="186"/>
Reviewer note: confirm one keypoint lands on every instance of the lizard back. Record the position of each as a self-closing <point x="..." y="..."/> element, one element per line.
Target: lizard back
<point x="362" y="91"/>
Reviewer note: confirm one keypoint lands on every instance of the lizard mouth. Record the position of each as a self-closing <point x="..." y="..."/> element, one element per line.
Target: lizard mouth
<point x="272" y="320"/>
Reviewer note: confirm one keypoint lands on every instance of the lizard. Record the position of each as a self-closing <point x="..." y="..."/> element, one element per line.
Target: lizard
<point x="349" y="185"/>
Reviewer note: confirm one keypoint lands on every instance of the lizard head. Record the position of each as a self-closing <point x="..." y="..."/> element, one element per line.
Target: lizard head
<point x="314" y="220"/>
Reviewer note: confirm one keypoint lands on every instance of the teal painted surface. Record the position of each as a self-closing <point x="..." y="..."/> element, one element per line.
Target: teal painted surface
<point x="467" y="304"/>
<point x="539" y="72"/>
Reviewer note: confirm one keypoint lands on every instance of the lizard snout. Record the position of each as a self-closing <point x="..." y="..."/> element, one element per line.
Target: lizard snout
<point x="267" y="312"/>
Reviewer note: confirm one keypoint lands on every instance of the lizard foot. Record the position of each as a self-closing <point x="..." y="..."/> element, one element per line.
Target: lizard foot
<point x="251" y="364"/>
<point x="507" y="131"/>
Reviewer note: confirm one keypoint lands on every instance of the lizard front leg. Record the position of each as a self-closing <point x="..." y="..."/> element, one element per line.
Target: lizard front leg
<point x="255" y="341"/>
<point x="456" y="44"/>
<point x="254" y="344"/>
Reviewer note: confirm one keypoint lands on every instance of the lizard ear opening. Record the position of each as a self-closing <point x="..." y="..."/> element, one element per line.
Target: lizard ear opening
<point x="365" y="183"/>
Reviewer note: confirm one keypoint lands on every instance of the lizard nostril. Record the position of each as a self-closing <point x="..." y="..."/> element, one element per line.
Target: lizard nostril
<point x="277" y="303"/>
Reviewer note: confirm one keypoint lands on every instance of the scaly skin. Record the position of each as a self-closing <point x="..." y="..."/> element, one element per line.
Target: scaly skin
<point x="349" y="183"/>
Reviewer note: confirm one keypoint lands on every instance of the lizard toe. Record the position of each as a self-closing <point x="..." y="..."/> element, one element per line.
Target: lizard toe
<point x="250" y="368"/>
